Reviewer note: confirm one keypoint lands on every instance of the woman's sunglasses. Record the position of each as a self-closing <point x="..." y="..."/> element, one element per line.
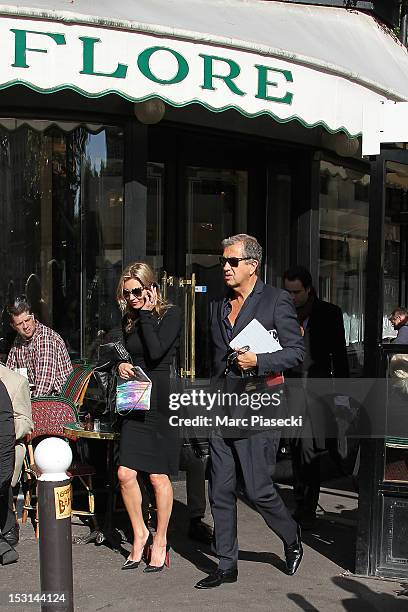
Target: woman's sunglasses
<point x="136" y="292"/>
<point x="232" y="261"/>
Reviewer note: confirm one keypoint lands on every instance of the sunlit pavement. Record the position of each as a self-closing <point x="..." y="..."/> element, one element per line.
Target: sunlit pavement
<point x="322" y="584"/>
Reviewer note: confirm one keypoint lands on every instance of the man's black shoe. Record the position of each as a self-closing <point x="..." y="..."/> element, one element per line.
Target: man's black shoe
<point x="200" y="531"/>
<point x="294" y="554"/>
<point x="12" y="536"/>
<point x="217" y="578"/>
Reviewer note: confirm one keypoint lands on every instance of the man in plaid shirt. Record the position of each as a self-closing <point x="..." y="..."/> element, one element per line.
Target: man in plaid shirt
<point x="39" y="349"/>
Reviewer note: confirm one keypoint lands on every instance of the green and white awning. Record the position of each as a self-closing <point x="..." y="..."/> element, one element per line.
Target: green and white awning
<point x="317" y="65"/>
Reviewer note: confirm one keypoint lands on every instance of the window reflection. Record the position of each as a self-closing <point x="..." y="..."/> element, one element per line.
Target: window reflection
<point x="344" y="205"/>
<point x="278" y="227"/>
<point x="102" y="202"/>
<point x="60" y="227"/>
<point x="395" y="240"/>
<point x="216" y="200"/>
<point x="216" y="208"/>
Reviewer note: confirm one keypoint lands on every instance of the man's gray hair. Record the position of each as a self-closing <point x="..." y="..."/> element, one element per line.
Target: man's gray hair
<point x="251" y="247"/>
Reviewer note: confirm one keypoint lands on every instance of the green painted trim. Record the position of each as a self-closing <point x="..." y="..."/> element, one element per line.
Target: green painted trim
<point x="54" y="124"/>
<point x="106" y="92"/>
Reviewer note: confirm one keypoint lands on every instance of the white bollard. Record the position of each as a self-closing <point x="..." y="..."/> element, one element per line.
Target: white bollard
<point x="53" y="456"/>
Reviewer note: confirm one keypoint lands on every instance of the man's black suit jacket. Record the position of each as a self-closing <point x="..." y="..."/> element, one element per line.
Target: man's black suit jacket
<point x="274" y="309"/>
<point x="7" y="438"/>
<point x="326" y="358"/>
<point x="327" y="342"/>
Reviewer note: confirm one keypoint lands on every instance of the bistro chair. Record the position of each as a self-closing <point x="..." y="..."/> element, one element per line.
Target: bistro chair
<point x="76" y="384"/>
<point x="49" y="417"/>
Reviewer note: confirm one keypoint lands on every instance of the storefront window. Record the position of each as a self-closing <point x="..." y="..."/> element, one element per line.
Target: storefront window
<point x="395" y="241"/>
<point x="61" y="202"/>
<point x="344" y="206"/>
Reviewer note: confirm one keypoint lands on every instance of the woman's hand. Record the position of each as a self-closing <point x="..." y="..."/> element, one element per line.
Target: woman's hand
<point x="125" y="371"/>
<point x="150" y="299"/>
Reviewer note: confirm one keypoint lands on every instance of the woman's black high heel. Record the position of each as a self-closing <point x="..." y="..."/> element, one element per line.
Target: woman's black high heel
<point x="150" y="569"/>
<point x="130" y="564"/>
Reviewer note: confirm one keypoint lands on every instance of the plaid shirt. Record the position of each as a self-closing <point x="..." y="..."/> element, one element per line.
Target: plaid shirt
<point x="46" y="358"/>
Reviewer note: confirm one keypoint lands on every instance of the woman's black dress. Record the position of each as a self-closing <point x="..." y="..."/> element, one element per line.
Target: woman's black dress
<point x="147" y="442"/>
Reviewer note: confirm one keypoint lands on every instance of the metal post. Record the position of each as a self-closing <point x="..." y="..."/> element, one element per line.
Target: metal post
<point x="53" y="457"/>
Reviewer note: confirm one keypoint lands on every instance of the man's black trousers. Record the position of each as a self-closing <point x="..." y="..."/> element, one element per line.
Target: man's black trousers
<point x="7" y="515"/>
<point x="254" y="458"/>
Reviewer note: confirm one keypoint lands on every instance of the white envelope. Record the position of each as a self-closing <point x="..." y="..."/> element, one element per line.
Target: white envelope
<point x="259" y="339"/>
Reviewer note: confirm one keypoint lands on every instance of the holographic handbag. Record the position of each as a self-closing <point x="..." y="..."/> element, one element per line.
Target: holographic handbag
<point x="133" y="394"/>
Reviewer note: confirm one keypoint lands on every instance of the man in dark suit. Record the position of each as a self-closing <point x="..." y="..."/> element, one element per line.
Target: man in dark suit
<point x="326" y="357"/>
<point x="253" y="455"/>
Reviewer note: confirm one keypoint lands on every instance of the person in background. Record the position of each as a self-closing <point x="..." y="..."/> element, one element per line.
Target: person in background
<point x="38" y="349"/>
<point x="399" y="321"/>
<point x="326" y="357"/>
<point x="151" y="334"/>
<point x="7" y="442"/>
<point x="19" y="393"/>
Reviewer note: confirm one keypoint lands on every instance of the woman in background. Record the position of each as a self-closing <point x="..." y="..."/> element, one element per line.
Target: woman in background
<point x="151" y="332"/>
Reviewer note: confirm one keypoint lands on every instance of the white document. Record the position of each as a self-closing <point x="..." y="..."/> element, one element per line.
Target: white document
<point x="22" y="372"/>
<point x="259" y="339"/>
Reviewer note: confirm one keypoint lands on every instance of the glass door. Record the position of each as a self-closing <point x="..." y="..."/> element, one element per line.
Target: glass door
<point x="216" y="207"/>
<point x="208" y="205"/>
<point x="343" y="226"/>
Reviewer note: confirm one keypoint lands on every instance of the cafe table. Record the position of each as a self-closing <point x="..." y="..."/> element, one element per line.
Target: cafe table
<point x="107" y="534"/>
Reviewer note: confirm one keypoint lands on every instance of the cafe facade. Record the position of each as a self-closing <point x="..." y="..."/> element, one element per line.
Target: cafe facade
<point x="149" y="131"/>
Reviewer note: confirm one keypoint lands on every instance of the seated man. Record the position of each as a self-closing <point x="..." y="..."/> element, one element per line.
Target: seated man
<point x="399" y="321"/>
<point x="19" y="393"/>
<point x="39" y="349"/>
<point x="7" y="441"/>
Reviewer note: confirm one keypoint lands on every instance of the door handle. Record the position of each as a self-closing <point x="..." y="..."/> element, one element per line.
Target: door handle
<point x="166" y="281"/>
<point x="188" y="285"/>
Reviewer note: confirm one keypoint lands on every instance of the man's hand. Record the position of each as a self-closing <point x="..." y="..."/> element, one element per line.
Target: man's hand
<point x="247" y="360"/>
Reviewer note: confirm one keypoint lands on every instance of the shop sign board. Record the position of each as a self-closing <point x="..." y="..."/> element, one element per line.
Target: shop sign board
<point x="94" y="61"/>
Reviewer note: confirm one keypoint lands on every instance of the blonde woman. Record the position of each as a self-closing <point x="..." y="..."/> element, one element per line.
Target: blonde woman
<point x="151" y="332"/>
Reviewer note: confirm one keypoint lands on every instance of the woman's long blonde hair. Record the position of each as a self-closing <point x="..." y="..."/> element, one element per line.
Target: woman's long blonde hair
<point x="145" y="275"/>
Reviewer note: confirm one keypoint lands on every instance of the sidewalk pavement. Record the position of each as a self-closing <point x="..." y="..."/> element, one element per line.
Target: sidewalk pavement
<point x="323" y="582"/>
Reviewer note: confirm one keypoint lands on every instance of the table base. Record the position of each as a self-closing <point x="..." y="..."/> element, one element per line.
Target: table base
<point x="113" y="538"/>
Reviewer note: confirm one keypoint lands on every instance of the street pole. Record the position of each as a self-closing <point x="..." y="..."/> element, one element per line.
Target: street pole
<point x="53" y="457"/>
